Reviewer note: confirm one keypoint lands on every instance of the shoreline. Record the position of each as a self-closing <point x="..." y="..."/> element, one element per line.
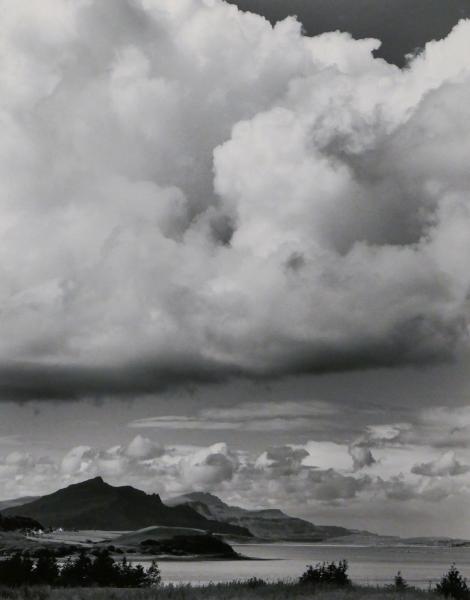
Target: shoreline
<point x="190" y="559"/>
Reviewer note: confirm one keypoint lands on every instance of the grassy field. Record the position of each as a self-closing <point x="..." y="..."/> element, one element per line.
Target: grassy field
<point x="228" y="591"/>
<point x="79" y="537"/>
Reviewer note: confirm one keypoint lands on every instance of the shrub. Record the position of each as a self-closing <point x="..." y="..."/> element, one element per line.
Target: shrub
<point x="255" y="582"/>
<point x="453" y="585"/>
<point x="327" y="574"/>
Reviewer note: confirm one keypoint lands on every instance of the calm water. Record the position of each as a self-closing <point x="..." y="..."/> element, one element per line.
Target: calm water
<point x="369" y="565"/>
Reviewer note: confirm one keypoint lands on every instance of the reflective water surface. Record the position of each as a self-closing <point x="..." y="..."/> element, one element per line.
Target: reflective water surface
<point x="369" y="565"/>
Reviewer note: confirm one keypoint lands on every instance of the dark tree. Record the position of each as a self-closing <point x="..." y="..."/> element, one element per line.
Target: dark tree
<point x="129" y="576"/>
<point x="17" y="523"/>
<point x="16" y="570"/>
<point x="453" y="585"/>
<point x="399" y="582"/>
<point x="76" y="572"/>
<point x="154" y="577"/>
<point x="104" y="571"/>
<point x="46" y="571"/>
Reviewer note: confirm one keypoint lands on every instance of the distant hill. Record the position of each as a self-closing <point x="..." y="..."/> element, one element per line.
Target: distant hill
<point x="4" y="504"/>
<point x="401" y="25"/>
<point x="174" y="541"/>
<point x="268" y="524"/>
<point x="94" y="504"/>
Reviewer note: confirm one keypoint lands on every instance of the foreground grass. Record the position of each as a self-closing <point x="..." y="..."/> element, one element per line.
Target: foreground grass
<point x="222" y="591"/>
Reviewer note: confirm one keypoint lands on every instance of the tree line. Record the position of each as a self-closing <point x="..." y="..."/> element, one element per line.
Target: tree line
<point x="79" y="571"/>
<point x="103" y="571"/>
<point x="19" y="524"/>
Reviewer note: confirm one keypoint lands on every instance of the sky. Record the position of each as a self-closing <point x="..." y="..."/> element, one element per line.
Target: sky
<point x="403" y="26"/>
<point x="233" y="258"/>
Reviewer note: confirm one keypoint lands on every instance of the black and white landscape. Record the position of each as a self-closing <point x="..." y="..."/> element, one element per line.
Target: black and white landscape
<point x="234" y="281"/>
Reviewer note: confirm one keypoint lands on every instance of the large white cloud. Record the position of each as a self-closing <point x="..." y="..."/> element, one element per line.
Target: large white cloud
<point x="186" y="191"/>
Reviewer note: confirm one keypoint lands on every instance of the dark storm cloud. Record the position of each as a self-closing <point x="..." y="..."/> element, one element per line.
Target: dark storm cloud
<point x="403" y="26"/>
<point x="29" y="381"/>
<point x="58" y="382"/>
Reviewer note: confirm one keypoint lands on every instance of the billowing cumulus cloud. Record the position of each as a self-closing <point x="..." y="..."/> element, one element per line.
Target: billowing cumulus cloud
<point x="188" y="193"/>
<point x="281" y="461"/>
<point x="399" y="489"/>
<point x="142" y="448"/>
<point x="208" y="467"/>
<point x="78" y="460"/>
<point x="440" y="427"/>
<point x="131" y="460"/>
<point x="361" y="457"/>
<point x="447" y="464"/>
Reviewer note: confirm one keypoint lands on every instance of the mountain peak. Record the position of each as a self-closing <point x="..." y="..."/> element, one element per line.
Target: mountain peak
<point x="95" y="480"/>
<point x="93" y="483"/>
<point x="95" y="504"/>
<point x="204" y="497"/>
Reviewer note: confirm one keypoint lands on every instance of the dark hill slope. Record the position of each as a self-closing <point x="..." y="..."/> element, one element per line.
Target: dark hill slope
<point x="401" y="25"/>
<point x="16" y="523"/>
<point x="269" y="524"/>
<point x="95" y="504"/>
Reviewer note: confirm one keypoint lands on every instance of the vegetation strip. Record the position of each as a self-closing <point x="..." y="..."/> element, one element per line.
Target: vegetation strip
<point x="24" y="578"/>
